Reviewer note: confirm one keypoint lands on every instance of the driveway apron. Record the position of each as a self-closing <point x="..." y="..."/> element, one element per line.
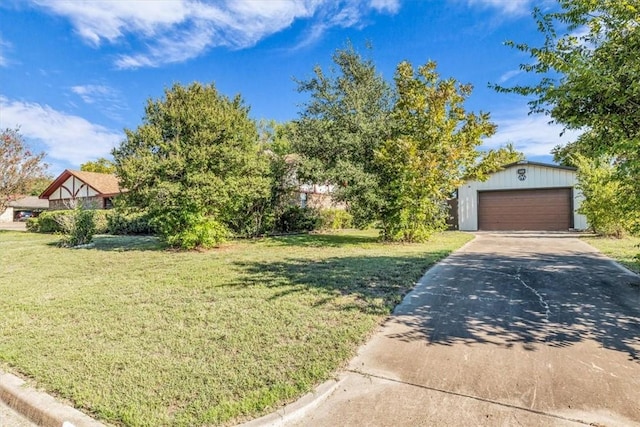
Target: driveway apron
<point x="514" y="329"/>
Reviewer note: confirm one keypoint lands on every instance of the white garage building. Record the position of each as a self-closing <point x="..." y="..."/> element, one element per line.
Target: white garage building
<point x="522" y="196"/>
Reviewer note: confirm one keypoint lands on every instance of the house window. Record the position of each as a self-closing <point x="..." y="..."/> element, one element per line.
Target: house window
<point x="107" y="203"/>
<point x="303" y="200"/>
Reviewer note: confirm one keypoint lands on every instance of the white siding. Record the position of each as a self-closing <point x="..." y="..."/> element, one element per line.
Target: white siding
<point x="73" y="188"/>
<point x="537" y="176"/>
<point x="7" y="215"/>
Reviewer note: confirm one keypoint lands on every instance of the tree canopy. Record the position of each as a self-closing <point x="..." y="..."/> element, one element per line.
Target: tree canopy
<point x="100" y="165"/>
<point x="20" y="168"/>
<point x="395" y="153"/>
<point x="588" y="66"/>
<point x="195" y="165"/>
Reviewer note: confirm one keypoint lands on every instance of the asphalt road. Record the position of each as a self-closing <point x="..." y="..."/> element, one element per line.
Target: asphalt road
<point x="511" y="330"/>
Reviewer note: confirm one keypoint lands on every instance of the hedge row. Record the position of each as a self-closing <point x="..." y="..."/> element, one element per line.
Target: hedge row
<point x="106" y="222"/>
<point x="114" y="221"/>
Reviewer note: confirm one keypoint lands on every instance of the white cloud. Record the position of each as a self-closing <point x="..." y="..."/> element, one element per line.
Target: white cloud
<point x="4" y="46"/>
<point x="67" y="138"/>
<point x="178" y="30"/>
<point x="507" y="7"/>
<point x="509" y="75"/>
<point x="108" y="100"/>
<point x="531" y="134"/>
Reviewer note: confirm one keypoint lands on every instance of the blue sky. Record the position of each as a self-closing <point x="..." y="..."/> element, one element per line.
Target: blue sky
<point x="74" y="74"/>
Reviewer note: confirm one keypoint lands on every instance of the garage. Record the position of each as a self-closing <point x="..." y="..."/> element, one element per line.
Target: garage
<point x="522" y="196"/>
<point x="537" y="210"/>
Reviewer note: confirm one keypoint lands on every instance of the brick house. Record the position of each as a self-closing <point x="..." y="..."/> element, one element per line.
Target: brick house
<point x="94" y="190"/>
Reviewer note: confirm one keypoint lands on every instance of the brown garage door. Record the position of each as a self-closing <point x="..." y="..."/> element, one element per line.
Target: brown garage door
<point x="544" y="209"/>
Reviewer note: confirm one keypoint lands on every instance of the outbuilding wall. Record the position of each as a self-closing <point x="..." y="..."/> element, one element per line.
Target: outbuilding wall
<point x="535" y="177"/>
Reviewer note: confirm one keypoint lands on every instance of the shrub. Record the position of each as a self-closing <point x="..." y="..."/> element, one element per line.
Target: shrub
<point x="50" y="221"/>
<point x="335" y="219"/>
<point x="121" y="222"/>
<point x="206" y="233"/>
<point x="32" y="225"/>
<point x="295" y="218"/>
<point x="78" y="227"/>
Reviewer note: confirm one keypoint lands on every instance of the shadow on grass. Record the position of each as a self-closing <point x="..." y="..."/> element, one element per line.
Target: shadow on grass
<point x="534" y="299"/>
<point x="104" y="242"/>
<point x="377" y="283"/>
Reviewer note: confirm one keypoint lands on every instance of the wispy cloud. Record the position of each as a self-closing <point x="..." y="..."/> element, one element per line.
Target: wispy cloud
<point x="531" y="134"/>
<point x="178" y="30"/>
<point x="67" y="138"/>
<point x="4" y="46"/>
<point x="506" y="7"/>
<point x="509" y="75"/>
<point x="107" y="99"/>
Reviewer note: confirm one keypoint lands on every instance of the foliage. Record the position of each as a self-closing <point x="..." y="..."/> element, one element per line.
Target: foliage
<point x="492" y="161"/>
<point x="335" y="219"/>
<point x="35" y="186"/>
<point x="605" y="197"/>
<point x="295" y="219"/>
<point x="122" y="222"/>
<point x="100" y="165"/>
<point x="284" y="184"/>
<point x="195" y="166"/>
<point x="78" y="227"/>
<point x="433" y="144"/>
<point x="341" y="127"/>
<point x="203" y="232"/>
<point x="18" y="166"/>
<point x="588" y="67"/>
<point x="50" y="221"/>
<point x="395" y="153"/>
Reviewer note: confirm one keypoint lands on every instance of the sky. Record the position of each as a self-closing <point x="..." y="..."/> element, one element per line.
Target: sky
<point x="74" y="74"/>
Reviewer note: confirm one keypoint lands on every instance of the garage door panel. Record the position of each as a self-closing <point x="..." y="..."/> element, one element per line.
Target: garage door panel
<point x="536" y="210"/>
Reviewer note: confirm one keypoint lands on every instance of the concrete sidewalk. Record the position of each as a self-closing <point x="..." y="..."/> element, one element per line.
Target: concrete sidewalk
<point x="511" y="330"/>
<point x="23" y="406"/>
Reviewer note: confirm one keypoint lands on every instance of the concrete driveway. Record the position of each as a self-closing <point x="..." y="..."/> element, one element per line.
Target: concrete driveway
<point x="514" y="329"/>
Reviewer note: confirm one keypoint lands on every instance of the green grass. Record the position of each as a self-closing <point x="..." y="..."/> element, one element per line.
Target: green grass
<point x="138" y="335"/>
<point x="622" y="250"/>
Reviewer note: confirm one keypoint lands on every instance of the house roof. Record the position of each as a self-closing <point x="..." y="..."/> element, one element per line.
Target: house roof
<point x="29" y="202"/>
<point x="103" y="183"/>
<point x="546" y="165"/>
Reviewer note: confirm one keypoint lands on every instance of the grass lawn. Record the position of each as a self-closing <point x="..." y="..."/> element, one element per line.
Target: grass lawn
<point x="137" y="335"/>
<point x="622" y="250"/>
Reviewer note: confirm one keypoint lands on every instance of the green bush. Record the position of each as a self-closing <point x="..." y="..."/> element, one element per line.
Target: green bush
<point x="32" y="225"/>
<point x="295" y="218"/>
<point x="50" y="221"/>
<point x="206" y="233"/>
<point x="79" y="227"/>
<point x="127" y="223"/>
<point x="335" y="219"/>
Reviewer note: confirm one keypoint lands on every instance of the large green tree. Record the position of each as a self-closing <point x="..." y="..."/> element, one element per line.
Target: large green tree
<point x="196" y="166"/>
<point x="20" y="168"/>
<point x="342" y="125"/>
<point x="394" y="153"/>
<point x="431" y="149"/>
<point x="100" y="165"/>
<point x="588" y="66"/>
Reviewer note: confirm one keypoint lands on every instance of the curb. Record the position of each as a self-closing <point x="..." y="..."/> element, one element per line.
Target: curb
<point x="298" y="409"/>
<point x="40" y="407"/>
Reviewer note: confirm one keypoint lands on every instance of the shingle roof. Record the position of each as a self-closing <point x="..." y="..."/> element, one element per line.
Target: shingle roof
<point x="103" y="183"/>
<point x="29" y="202"/>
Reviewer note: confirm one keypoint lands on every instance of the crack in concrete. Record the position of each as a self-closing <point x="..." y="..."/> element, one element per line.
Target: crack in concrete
<point x="543" y="303"/>
<point x="469" y="396"/>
